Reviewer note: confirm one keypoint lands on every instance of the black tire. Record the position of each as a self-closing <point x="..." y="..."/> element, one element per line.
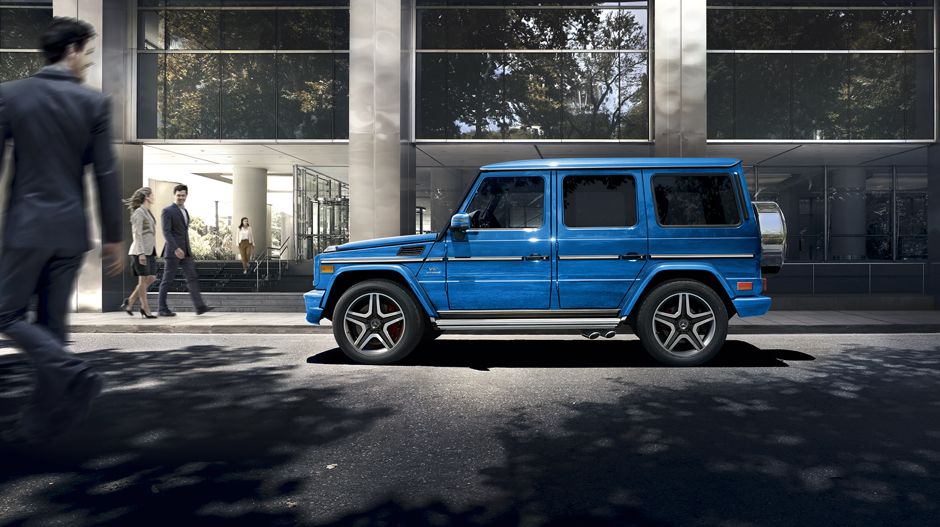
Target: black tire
<point x="682" y="323"/>
<point x="378" y="322"/>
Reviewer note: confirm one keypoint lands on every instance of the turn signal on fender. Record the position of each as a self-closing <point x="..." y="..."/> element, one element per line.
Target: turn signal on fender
<point x="745" y="286"/>
<point x="326" y="268"/>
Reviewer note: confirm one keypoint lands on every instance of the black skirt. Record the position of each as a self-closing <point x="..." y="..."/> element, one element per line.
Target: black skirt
<point x="147" y="269"/>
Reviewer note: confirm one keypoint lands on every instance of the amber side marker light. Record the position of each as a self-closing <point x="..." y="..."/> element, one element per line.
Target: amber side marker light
<point x="745" y="286"/>
<point x="326" y="268"/>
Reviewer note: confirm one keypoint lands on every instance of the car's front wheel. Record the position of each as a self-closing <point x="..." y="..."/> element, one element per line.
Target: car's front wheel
<point x="377" y="322"/>
<point x="682" y="323"/>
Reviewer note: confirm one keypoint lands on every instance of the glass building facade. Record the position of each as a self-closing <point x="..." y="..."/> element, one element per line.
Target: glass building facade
<point x="242" y="69"/>
<point x="492" y="80"/>
<point x="532" y="72"/>
<point x="20" y="23"/>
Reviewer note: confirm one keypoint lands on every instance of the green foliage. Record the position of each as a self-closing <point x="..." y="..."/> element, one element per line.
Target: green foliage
<point x="202" y="240"/>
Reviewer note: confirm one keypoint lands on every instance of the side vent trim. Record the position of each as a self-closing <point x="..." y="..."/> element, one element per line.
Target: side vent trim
<point x="411" y="250"/>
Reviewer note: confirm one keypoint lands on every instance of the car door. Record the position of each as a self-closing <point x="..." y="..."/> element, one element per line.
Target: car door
<point x="504" y="260"/>
<point x="602" y="238"/>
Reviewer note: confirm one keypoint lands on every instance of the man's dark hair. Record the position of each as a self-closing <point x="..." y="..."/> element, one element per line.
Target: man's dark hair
<point x="62" y="32"/>
<point x="178" y="188"/>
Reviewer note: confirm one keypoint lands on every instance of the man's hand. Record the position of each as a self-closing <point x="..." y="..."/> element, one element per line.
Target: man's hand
<point x="142" y="259"/>
<point x="179" y="253"/>
<point x="112" y="251"/>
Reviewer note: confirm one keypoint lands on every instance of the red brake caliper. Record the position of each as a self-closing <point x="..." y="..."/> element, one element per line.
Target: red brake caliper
<point x="394" y="331"/>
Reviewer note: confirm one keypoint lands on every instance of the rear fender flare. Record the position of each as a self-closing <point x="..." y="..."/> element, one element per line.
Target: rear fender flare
<point x="640" y="286"/>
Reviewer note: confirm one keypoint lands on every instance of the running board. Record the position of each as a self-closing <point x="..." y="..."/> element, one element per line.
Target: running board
<point x="498" y="324"/>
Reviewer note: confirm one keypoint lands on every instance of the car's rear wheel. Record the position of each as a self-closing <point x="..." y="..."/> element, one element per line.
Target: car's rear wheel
<point x="377" y="322"/>
<point x="682" y="323"/>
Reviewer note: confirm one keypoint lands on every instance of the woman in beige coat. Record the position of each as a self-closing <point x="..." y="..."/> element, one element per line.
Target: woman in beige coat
<point x="143" y="250"/>
<point x="244" y="242"/>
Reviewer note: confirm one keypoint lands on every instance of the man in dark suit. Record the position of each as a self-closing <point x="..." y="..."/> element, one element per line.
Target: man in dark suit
<point x="57" y="127"/>
<point x="175" y="223"/>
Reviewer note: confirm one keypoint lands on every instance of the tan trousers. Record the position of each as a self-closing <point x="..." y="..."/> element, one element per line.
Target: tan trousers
<point x="244" y="247"/>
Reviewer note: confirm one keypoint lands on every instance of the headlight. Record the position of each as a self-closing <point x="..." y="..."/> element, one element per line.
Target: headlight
<point x="330" y="249"/>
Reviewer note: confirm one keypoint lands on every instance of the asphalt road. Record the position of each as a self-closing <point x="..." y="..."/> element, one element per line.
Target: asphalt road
<point x="810" y="430"/>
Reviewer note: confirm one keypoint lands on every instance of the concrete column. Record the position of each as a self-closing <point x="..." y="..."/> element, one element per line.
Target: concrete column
<point x="679" y="81"/>
<point x="110" y="72"/>
<point x="374" y="119"/>
<point x="287" y="234"/>
<point x="268" y="233"/>
<point x="847" y="214"/>
<point x="250" y="200"/>
<point x="91" y="11"/>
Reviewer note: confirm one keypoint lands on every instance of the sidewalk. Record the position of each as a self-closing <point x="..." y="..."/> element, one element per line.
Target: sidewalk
<point x="773" y="322"/>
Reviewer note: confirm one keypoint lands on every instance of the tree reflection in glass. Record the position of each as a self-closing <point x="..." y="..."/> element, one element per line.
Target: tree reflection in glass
<point x="192" y="94"/>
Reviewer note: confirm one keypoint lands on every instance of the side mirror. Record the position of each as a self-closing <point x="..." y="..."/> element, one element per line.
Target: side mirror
<point x="459" y="225"/>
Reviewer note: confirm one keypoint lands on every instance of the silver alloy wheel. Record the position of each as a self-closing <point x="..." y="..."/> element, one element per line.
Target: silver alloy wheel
<point x="684" y="323"/>
<point x="374" y="323"/>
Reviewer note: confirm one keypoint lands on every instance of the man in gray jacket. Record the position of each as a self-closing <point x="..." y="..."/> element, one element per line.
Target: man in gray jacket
<point x="57" y="127"/>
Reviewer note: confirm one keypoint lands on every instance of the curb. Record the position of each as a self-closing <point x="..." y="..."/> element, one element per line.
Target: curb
<point x="832" y="329"/>
<point x="226" y="329"/>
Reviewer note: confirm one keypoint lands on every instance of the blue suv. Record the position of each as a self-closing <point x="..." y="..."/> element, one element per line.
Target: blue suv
<point x="671" y="248"/>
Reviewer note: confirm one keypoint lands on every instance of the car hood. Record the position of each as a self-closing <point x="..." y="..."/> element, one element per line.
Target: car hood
<point x="384" y="242"/>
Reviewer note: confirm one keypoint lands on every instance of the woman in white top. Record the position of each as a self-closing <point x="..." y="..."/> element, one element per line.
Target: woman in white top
<point x="245" y="243"/>
<point x="143" y="250"/>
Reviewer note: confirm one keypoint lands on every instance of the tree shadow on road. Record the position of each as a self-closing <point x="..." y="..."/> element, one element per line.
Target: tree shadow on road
<point x="179" y="434"/>
<point x="851" y="442"/>
<point x="483" y="354"/>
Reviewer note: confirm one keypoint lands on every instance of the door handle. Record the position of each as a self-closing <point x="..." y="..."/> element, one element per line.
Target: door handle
<point x="633" y="256"/>
<point x="536" y="258"/>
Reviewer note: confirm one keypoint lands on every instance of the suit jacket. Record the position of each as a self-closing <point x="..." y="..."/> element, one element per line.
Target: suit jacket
<point x="175" y="231"/>
<point x="144" y="228"/>
<point x="58" y="127"/>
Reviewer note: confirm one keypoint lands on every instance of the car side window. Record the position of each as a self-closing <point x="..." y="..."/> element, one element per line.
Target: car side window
<point x="695" y="200"/>
<point x="508" y="203"/>
<point x="600" y="201"/>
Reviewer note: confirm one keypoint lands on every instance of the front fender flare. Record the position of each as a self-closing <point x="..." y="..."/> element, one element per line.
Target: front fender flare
<point x="400" y="269"/>
<point x="640" y="285"/>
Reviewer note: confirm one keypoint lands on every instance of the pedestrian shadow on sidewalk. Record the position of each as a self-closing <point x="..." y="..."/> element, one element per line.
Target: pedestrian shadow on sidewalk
<point x="552" y="353"/>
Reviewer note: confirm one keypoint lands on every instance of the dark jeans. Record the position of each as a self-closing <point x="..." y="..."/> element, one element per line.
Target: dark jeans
<point x="49" y="273"/>
<point x="192" y="281"/>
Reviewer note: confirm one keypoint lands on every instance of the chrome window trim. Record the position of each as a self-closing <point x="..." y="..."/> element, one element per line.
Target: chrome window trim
<point x="572" y="167"/>
<point x="484" y="259"/>
<point x="590" y="257"/>
<point x="435" y="260"/>
<point x="696" y="256"/>
<point x="329" y="261"/>
<point x="581" y="280"/>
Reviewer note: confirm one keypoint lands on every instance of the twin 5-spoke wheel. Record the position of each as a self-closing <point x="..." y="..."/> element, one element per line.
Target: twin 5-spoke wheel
<point x="682" y="323"/>
<point x="377" y="322"/>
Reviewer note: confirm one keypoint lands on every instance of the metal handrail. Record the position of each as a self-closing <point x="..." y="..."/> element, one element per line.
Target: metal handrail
<point x="264" y="257"/>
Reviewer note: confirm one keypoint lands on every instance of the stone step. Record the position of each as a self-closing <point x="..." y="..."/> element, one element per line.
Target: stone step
<point x="237" y="302"/>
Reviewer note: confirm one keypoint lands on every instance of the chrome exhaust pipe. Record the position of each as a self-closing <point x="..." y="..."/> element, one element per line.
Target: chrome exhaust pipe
<point x="610" y="334"/>
<point x="590" y="334"/>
